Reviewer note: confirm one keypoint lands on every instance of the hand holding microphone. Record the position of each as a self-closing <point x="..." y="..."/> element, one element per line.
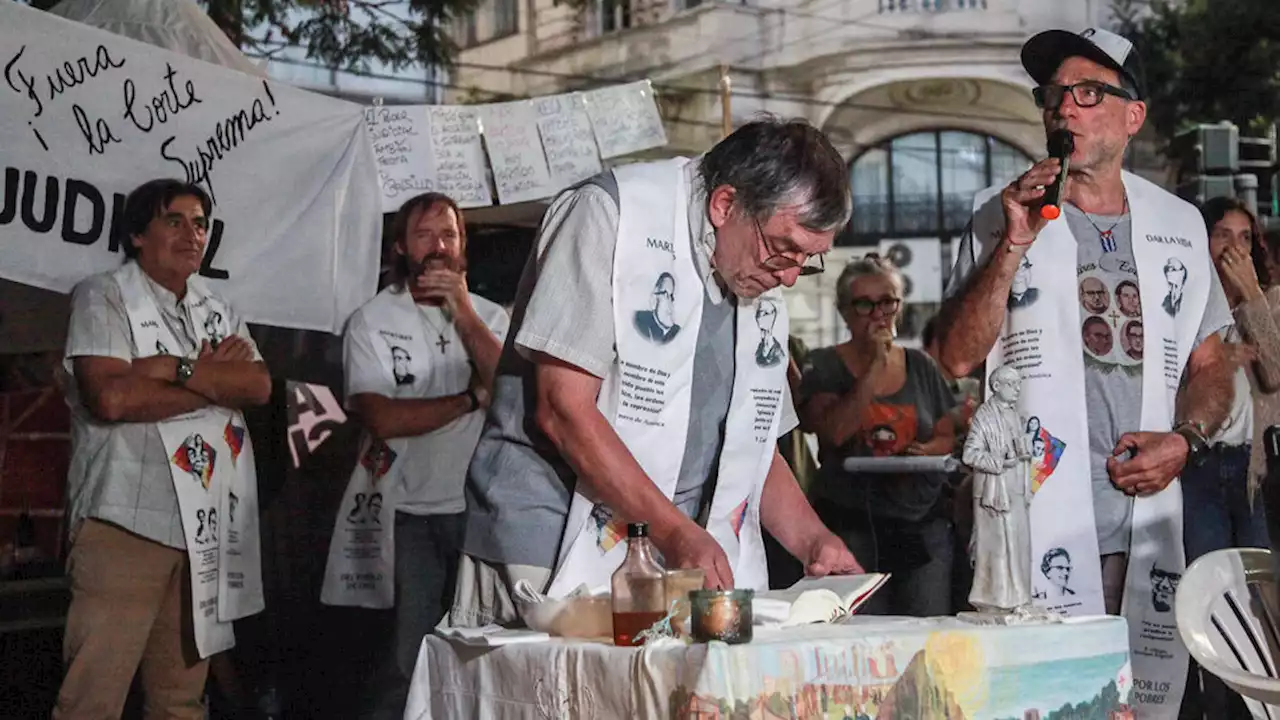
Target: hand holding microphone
<point x="1034" y="199"/>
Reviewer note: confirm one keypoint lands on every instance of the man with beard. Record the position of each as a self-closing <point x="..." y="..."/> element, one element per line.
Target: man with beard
<point x="420" y="360"/>
<point x="658" y="323"/>
<point x="1128" y="429"/>
<point x="593" y="428"/>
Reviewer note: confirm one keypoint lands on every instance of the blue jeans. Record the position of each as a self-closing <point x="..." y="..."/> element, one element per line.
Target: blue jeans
<point x="1215" y="505"/>
<point x="427" y="551"/>
<point x="1215" y="516"/>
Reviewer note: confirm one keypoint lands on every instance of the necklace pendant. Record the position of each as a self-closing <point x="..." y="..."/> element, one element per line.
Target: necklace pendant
<point x="1108" y="241"/>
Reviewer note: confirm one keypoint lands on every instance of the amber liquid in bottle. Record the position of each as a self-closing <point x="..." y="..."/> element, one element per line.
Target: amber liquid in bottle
<point x="638" y="590"/>
<point x="627" y="625"/>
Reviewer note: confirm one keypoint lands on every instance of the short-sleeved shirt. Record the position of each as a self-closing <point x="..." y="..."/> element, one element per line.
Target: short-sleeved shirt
<point x="519" y="488"/>
<point x="895" y="421"/>
<point x="435" y="467"/>
<point x="1111" y="320"/>
<point x="120" y="471"/>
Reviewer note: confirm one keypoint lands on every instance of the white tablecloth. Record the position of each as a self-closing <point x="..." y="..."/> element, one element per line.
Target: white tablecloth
<point x="871" y="668"/>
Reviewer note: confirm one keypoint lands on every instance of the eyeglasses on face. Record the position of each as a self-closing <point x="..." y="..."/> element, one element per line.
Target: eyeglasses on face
<point x="864" y="306"/>
<point x="1086" y="94"/>
<point x="780" y="262"/>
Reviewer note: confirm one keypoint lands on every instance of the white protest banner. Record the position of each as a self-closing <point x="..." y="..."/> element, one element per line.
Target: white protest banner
<point x="625" y="118"/>
<point x="515" y="151"/>
<point x="459" y="155"/>
<point x="401" y="139"/>
<point x="88" y="115"/>
<point x="567" y="139"/>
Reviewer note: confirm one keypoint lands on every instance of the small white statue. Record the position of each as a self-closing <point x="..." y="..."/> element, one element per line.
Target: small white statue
<point x="1000" y="455"/>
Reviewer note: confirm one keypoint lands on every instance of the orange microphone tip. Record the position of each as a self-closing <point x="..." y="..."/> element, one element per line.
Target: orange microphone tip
<point x="1050" y="212"/>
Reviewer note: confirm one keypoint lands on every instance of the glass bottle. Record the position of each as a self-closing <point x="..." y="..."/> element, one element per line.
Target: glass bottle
<point x="638" y="589"/>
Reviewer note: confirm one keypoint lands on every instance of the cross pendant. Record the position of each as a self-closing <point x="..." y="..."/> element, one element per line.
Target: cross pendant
<point x="443" y="342"/>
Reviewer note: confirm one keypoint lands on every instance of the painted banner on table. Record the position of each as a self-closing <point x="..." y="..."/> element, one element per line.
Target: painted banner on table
<point x="88" y="115"/>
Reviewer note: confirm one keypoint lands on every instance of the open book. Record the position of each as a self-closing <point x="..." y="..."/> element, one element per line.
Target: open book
<point x="814" y="600"/>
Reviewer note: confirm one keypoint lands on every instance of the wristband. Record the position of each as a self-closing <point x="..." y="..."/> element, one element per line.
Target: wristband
<point x="475" y="401"/>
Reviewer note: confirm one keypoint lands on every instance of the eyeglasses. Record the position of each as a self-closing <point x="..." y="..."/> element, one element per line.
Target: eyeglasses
<point x="779" y="262"/>
<point x="1086" y="94"/>
<point x="864" y="306"/>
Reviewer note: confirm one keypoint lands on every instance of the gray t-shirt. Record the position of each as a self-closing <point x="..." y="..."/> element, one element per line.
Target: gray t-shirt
<point x="1111" y="327"/>
<point x="518" y="487"/>
<point x="895" y="421"/>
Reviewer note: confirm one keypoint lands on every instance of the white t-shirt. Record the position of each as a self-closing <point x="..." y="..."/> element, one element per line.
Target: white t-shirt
<point x="435" y="470"/>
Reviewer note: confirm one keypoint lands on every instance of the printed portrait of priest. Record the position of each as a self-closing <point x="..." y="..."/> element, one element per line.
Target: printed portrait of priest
<point x="1164" y="585"/>
<point x="658" y="323"/>
<point x="1094" y="296"/>
<point x="1096" y="334"/>
<point x="213" y="327"/>
<point x="1128" y="299"/>
<point x="1175" y="273"/>
<point x="197" y="455"/>
<point x="1131" y="340"/>
<point x="769" y="352"/>
<point x="1021" y="294"/>
<point x="400" y="359"/>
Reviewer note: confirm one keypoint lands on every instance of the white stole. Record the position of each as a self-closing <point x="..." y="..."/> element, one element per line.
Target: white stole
<point x="1044" y="342"/>
<point x="211" y="462"/>
<point x="647" y="393"/>
<point x="360" y="571"/>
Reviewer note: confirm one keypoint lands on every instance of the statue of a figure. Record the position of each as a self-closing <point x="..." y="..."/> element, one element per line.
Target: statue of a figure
<point x="998" y="451"/>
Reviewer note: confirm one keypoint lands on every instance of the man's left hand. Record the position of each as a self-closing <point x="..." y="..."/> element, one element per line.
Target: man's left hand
<point x="1157" y="460"/>
<point x="444" y="285"/>
<point x="828" y="555"/>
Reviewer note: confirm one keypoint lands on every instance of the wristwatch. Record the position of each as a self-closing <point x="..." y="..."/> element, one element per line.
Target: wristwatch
<point x="1197" y="444"/>
<point x="183" y="372"/>
<point x="475" y="401"/>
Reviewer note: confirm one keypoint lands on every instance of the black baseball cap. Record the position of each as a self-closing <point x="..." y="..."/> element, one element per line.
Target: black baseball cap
<point x="1044" y="53"/>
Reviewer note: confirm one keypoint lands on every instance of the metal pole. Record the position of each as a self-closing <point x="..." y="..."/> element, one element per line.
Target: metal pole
<point x="726" y="113"/>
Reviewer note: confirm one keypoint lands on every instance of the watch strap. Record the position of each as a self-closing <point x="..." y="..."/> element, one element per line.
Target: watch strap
<point x="475" y="400"/>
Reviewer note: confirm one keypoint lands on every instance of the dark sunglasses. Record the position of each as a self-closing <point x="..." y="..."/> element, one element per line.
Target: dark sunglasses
<point x="1086" y="94"/>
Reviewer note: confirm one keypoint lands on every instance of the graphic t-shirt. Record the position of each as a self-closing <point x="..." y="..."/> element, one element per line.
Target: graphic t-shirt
<point x="896" y="421"/>
<point x="1114" y="345"/>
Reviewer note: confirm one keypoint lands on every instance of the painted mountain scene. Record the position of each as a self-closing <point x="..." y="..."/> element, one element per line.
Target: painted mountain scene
<point x="975" y="673"/>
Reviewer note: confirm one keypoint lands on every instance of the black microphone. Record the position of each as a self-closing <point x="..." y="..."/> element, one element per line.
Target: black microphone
<point x="1061" y="144"/>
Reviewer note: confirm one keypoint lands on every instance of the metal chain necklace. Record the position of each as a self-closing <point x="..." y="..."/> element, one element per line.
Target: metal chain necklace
<point x="442" y="342"/>
<point x="1107" y="238"/>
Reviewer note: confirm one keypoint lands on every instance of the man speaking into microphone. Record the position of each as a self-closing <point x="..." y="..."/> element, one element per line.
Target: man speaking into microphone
<point x="1127" y="430"/>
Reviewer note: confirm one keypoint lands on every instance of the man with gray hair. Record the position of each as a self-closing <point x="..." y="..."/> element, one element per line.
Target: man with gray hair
<point x="594" y="425"/>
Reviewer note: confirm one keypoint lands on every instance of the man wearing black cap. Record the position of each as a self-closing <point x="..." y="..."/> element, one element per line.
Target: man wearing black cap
<point x="1124" y="442"/>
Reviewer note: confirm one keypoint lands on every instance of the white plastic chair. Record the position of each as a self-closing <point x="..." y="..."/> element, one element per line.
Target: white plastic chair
<point x="1226" y="611"/>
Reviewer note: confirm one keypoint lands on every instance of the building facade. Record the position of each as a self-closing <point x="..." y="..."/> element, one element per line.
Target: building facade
<point x="926" y="99"/>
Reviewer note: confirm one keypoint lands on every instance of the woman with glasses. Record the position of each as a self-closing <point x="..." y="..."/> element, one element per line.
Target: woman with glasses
<point x="869" y="396"/>
<point x="1219" y="502"/>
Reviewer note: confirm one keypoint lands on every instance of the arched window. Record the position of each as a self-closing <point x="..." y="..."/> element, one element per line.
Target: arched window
<point x="922" y="184"/>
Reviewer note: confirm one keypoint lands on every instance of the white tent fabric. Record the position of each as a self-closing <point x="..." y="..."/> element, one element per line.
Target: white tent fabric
<point x="177" y="25"/>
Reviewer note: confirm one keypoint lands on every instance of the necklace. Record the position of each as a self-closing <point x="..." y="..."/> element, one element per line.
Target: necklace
<point x="442" y="342"/>
<point x="1107" y="238"/>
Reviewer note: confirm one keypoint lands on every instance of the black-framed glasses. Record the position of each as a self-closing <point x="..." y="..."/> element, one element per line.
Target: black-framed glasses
<point x="1086" y="94"/>
<point x="779" y="262"/>
<point x="864" y="306"/>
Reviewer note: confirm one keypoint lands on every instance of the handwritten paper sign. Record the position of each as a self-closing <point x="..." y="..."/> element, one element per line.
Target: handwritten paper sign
<point x="567" y="139"/>
<point x="625" y="119"/>
<point x="459" y="155"/>
<point x="86" y="116"/>
<point x="401" y="138"/>
<point x="515" y="152"/>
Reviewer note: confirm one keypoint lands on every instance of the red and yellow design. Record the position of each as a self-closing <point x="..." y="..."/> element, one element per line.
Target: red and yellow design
<point x="196" y="457"/>
<point x="234" y="435"/>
